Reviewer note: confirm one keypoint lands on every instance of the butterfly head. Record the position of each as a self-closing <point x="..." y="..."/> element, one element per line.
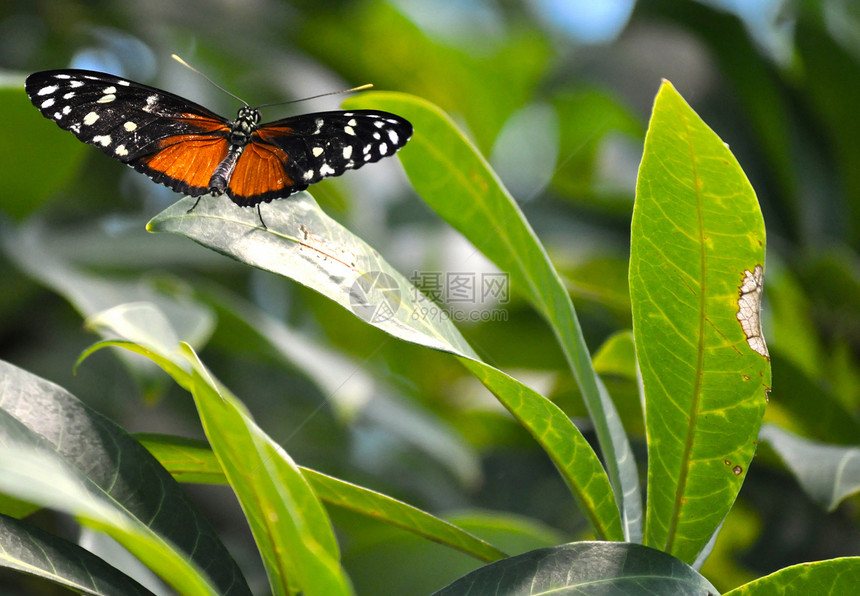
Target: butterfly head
<point x="245" y="124"/>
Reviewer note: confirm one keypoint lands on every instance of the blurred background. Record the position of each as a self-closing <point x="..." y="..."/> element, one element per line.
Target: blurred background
<point x="557" y="94"/>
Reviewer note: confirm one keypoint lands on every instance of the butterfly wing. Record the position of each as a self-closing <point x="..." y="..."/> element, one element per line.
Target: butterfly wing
<point x="288" y="155"/>
<point x="170" y="139"/>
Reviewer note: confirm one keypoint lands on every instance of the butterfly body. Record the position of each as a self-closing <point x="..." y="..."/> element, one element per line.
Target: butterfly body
<point x="194" y="151"/>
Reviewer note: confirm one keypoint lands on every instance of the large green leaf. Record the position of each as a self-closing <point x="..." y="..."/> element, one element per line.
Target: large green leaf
<point x="302" y="243"/>
<point x="584" y="569"/>
<point x="836" y="577"/>
<point x="290" y="526"/>
<point x="458" y="183"/>
<point x="697" y="257"/>
<point x="56" y="452"/>
<point x="193" y="461"/>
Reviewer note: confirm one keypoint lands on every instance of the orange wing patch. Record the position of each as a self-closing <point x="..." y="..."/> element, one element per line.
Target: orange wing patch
<point x="260" y="171"/>
<point x="186" y="162"/>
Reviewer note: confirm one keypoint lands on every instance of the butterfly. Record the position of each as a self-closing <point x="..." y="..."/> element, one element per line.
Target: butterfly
<point x="194" y="151"/>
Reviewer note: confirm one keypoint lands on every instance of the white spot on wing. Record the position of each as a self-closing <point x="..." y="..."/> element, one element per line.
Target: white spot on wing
<point x="319" y="124"/>
<point x="352" y="122"/>
<point x="309" y="174"/>
<point x="62" y="76"/>
<point x="91" y="118"/>
<point x="121" y="150"/>
<point x="393" y="136"/>
<point x="103" y="140"/>
<point x="383" y="148"/>
<point x="124" y="83"/>
<point x="379" y="124"/>
<point x="326" y="170"/>
<point x="76" y="84"/>
<point x="69" y="95"/>
<point x="349" y="130"/>
<point x="47" y="90"/>
<point x="66" y="110"/>
<point x="106" y="98"/>
<point x="749" y="309"/>
<point x="150" y="103"/>
<point x="130" y="126"/>
<point x="109" y="90"/>
<point x="317" y="151"/>
<point x="347" y="152"/>
<point x="47" y="103"/>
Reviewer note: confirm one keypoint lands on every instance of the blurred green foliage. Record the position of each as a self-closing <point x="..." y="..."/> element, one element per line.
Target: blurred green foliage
<point x="780" y="85"/>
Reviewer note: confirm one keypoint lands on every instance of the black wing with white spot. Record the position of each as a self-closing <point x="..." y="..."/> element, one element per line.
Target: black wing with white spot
<point x="328" y="144"/>
<point x="126" y="120"/>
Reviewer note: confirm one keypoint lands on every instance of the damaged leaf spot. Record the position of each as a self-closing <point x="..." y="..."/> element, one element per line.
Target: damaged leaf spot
<point x="737" y="470"/>
<point x="749" y="309"/>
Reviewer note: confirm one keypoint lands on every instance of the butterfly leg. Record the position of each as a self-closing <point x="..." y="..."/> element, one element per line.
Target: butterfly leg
<point x="195" y="204"/>
<point x="260" y="215"/>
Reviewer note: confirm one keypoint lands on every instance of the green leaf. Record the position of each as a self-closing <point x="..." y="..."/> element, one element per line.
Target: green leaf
<point x="458" y="183"/>
<point x="697" y="255"/>
<point x="56" y="452"/>
<point x="584" y="569"/>
<point x="302" y="243"/>
<point x="31" y="550"/>
<point x="836" y="577"/>
<point x="192" y="461"/>
<point x="290" y="526"/>
<point x="292" y="530"/>
<point x="361" y="500"/>
<point x="827" y="473"/>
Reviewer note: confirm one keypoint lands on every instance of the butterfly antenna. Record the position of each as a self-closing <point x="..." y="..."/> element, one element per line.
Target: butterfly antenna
<point x="188" y="66"/>
<point x="279" y="103"/>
